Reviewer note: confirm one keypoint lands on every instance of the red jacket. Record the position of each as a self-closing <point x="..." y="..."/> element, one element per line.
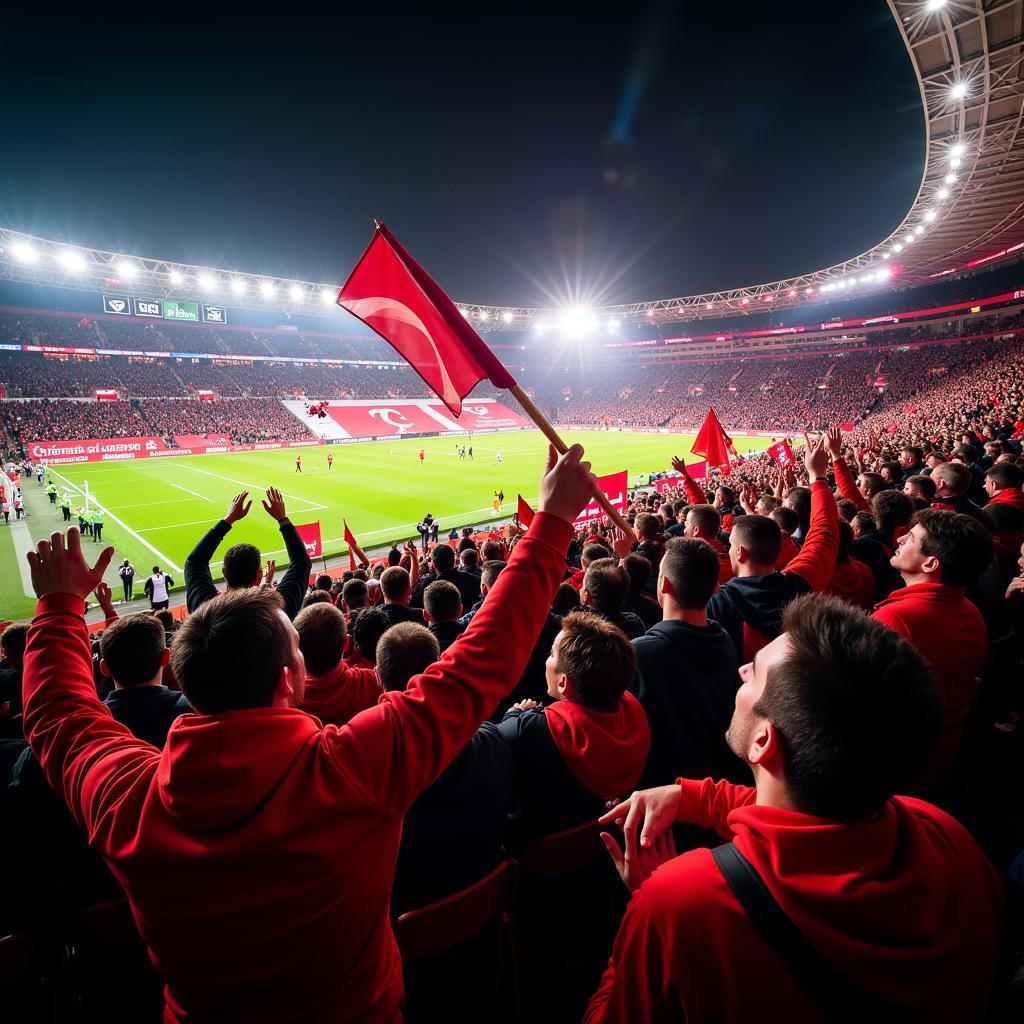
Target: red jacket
<point x="725" y="572"/>
<point x="904" y="903"/>
<point x="854" y="582"/>
<point x="1009" y="496"/>
<point x="787" y="552"/>
<point x="258" y="849"/>
<point x="847" y="486"/>
<point x="341" y="694"/>
<point x="950" y="633"/>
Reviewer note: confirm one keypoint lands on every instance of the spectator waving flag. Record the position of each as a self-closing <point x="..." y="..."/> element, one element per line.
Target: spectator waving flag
<point x="395" y="297"/>
<point x="353" y="546"/>
<point x="713" y="443"/>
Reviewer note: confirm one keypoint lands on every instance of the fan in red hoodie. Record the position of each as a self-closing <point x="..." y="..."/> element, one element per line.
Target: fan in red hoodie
<point x="588" y="746"/>
<point x="833" y="717"/>
<point x="941" y="554"/>
<point x="851" y="580"/>
<point x="705" y="523"/>
<point x="1003" y="483"/>
<point x="258" y="849"/>
<point x="335" y="690"/>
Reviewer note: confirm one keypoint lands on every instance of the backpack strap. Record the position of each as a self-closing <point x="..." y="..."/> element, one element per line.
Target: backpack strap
<point x="837" y="996"/>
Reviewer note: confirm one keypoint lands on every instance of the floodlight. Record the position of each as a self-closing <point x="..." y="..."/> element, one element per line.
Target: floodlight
<point x="176" y="277"/>
<point x="919" y="230"/>
<point x="957" y="151"/>
<point x="710" y="305"/>
<point x="909" y="239"/>
<point x="24" y="253"/>
<point x="744" y="301"/>
<point x="930" y="215"/>
<point x="792" y="292"/>
<point x="267" y="289"/>
<point x="887" y="256"/>
<point x="934" y="5"/>
<point x="958" y="90"/>
<point x="326" y="295"/>
<point x="507" y="317"/>
<point x="767" y="298"/>
<point x="126" y="270"/>
<point x="943" y="193"/>
<point x="955" y="162"/>
<point x="898" y="247"/>
<point x="71" y="260"/>
<point x="576" y="321"/>
<point x="237" y="285"/>
<point x="295" y="293"/>
<point x="484" y="315"/>
<point x="207" y="282"/>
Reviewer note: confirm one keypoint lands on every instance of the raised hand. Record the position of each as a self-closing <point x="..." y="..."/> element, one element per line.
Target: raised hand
<point x="621" y="544"/>
<point x="636" y="864"/>
<point x="274" y="505"/>
<point x="646" y="813"/>
<point x="835" y="443"/>
<point x="679" y="466"/>
<point x="102" y="595"/>
<point x="815" y="458"/>
<point x="58" y="567"/>
<point x="567" y="484"/>
<point x="239" y="508"/>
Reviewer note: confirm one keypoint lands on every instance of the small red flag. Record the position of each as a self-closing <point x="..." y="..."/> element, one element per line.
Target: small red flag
<point x="351" y="542"/>
<point x="309" y="534"/>
<point x="395" y="297"/>
<point x="524" y="513"/>
<point x="713" y="443"/>
<point x="847" y="426"/>
<point x="782" y="454"/>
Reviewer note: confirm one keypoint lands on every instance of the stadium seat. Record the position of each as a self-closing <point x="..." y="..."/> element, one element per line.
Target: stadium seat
<point x="444" y="966"/>
<point x="99" y="937"/>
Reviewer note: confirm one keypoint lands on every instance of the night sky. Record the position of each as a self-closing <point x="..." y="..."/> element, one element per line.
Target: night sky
<point x="522" y="157"/>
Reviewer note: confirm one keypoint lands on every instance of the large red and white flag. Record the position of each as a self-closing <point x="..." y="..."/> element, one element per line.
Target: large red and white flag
<point x="310" y="536"/>
<point x="615" y="487"/>
<point x="395" y="297"/>
<point x="713" y="443"/>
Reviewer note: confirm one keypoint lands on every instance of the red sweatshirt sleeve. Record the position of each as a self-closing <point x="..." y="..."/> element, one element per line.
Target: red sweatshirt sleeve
<point x="816" y="560"/>
<point x="694" y="493"/>
<point x="708" y="803"/>
<point x="848" y="486"/>
<point x="92" y="760"/>
<point x="394" y="750"/>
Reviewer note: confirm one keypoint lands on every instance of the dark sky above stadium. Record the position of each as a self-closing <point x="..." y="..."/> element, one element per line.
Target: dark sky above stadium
<point x="523" y="157"/>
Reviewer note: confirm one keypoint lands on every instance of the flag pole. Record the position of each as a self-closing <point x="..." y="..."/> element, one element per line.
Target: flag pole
<point x="561" y="447"/>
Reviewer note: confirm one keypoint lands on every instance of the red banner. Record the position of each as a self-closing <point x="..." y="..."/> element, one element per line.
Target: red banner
<point x="615" y="487"/>
<point x="110" y="449"/>
<point x="482" y="416"/>
<point x="384" y="420"/>
<point x="106" y="395"/>
<point x="782" y="454"/>
<point x="201" y="441"/>
<point x="309" y="534"/>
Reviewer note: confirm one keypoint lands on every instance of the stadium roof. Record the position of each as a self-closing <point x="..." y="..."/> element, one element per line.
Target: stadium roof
<point x="968" y="212"/>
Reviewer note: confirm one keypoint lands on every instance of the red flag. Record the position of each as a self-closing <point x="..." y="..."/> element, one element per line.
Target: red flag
<point x="310" y="536"/>
<point x="524" y="513"/>
<point x="847" y="426"/>
<point x="352" y="543"/>
<point x="615" y="487"/>
<point x="395" y="297"/>
<point x="713" y="442"/>
<point x="782" y="454"/>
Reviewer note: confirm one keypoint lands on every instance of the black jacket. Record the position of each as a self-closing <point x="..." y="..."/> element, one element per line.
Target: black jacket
<point x="548" y="797"/>
<point x="447" y="633"/>
<point x="630" y="624"/>
<point x="469" y="586"/>
<point x="870" y="548"/>
<point x="686" y="680"/>
<point x="452" y="834"/>
<point x="402" y="613"/>
<point x="757" y="601"/>
<point x="199" y="585"/>
<point x="648" y="611"/>
<point x="149" y="711"/>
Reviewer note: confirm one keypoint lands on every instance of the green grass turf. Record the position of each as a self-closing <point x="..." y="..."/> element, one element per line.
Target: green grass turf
<point x="379" y="487"/>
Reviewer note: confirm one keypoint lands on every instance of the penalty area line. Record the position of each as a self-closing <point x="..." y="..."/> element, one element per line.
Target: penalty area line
<point x="120" y="522"/>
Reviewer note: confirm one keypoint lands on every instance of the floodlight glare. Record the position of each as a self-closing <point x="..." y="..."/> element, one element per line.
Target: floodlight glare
<point x="958" y="91"/>
<point x="484" y="315"/>
<point x="955" y="162"/>
<point x="71" y="260"/>
<point x="465" y="313"/>
<point x="24" y="253"/>
<point x="207" y="282"/>
<point x="957" y="151"/>
<point x="295" y="292"/>
<point x="934" y="5"/>
<point x="126" y="270"/>
<point x="898" y="247"/>
<point x="176" y="277"/>
<point x="267" y="289"/>
<point x="576" y="321"/>
<point x="326" y="296"/>
<point x="930" y="215"/>
<point x="237" y="285"/>
<point x="507" y="317"/>
<point x="943" y="193"/>
<point x="919" y="230"/>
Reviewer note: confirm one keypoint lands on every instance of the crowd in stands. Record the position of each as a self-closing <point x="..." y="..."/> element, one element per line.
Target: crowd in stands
<point x="815" y="670"/>
<point x="244" y="420"/>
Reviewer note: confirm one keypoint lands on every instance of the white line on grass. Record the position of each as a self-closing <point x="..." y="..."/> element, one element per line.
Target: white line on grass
<point x="120" y="522"/>
<point x="22" y="544"/>
<point x="146" y="504"/>
<point x="259" y="487"/>
<point x="174" y="526"/>
<point x="196" y="493"/>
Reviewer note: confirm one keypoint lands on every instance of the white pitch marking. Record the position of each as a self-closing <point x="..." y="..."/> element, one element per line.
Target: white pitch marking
<point x="120" y="522"/>
<point x="196" y="493"/>
<point x="259" y="487"/>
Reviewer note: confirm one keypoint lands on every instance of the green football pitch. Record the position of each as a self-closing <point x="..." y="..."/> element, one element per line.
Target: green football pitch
<point x="158" y="508"/>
